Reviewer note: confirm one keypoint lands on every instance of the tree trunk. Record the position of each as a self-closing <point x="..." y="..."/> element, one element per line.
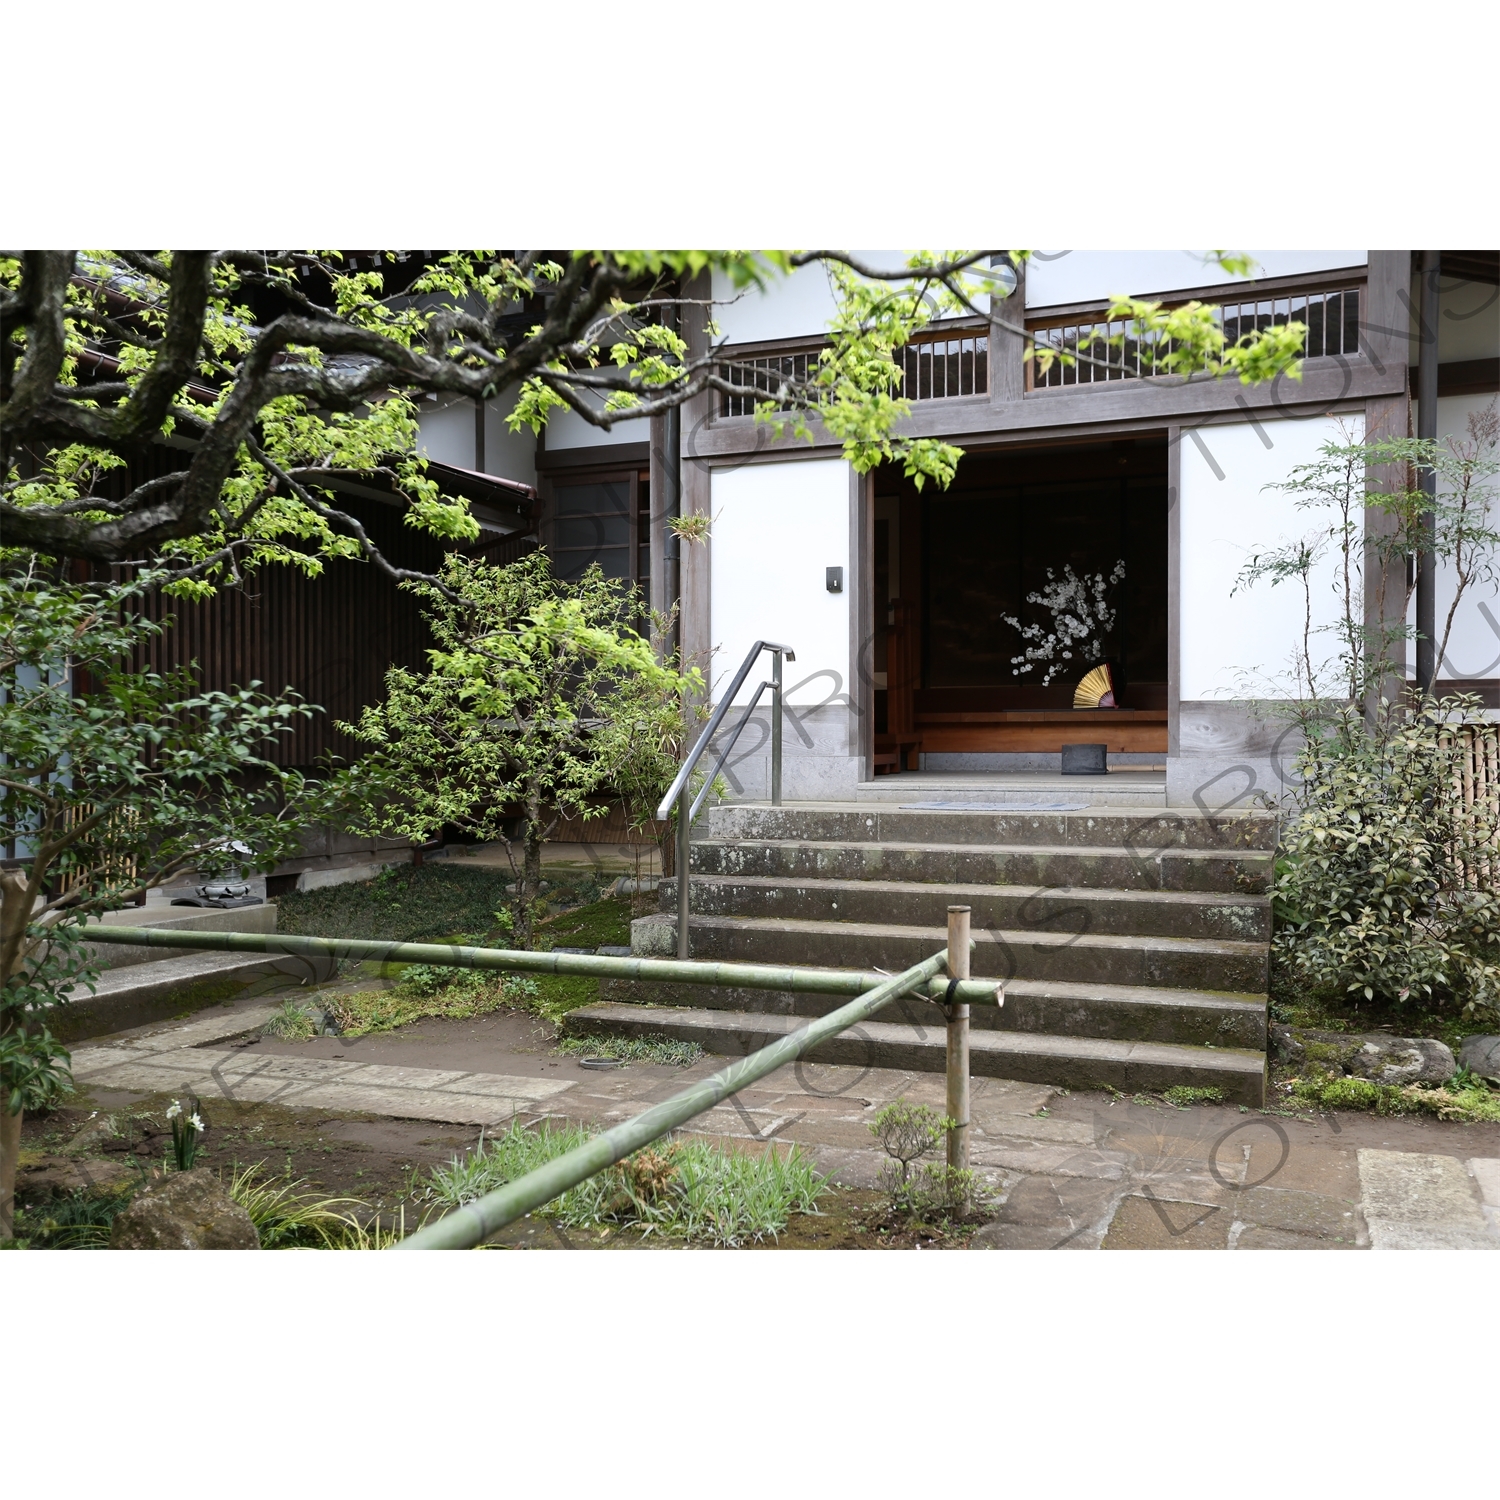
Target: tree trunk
<point x="529" y="886"/>
<point x="15" y="913"/>
<point x="10" y="1151"/>
<point x="15" y="907"/>
<point x="532" y="884"/>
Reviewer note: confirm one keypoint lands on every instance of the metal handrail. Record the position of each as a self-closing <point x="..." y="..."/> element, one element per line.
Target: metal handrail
<point x="679" y="792"/>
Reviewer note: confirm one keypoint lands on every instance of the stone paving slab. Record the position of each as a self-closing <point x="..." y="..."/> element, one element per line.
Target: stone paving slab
<point x="1486" y="1172"/>
<point x="1090" y="1173"/>
<point x="1145" y="1222"/>
<point x="1258" y="1237"/>
<point x="409" y="1093"/>
<point x="1053" y="1213"/>
<point x="1418" y="1201"/>
<point x="1048" y="1160"/>
<point x="1294" y="1211"/>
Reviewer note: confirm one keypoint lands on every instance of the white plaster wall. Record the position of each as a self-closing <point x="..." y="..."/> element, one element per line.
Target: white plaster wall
<point x="776" y="528"/>
<point x="1468" y="320"/>
<point x="566" y="429"/>
<point x="1060" y="276"/>
<point x="790" y="306"/>
<point x="447" y="437"/>
<point x="1474" y="646"/>
<point x="447" y="431"/>
<point x="1240" y="645"/>
<point x="794" y="306"/>
<point x="512" y="455"/>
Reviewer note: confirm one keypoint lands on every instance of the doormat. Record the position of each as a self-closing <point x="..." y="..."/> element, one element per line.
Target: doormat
<point x="993" y="806"/>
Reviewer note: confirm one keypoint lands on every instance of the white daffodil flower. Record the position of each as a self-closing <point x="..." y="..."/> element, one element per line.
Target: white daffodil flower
<point x="173" y="1110"/>
<point x="196" y="1123"/>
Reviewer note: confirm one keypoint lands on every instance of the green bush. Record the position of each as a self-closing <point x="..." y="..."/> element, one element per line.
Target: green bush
<point x="1378" y="890"/>
<point x="403" y="905"/>
<point x="291" y="1023"/>
<point x="429" y="990"/>
<point x="288" y="1218"/>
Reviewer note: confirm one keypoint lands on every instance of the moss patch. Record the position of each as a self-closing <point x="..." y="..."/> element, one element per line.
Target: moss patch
<point x="600" y="924"/>
<point x="451" y="902"/>
<point x="1471" y="1102"/>
<point x="407" y="905"/>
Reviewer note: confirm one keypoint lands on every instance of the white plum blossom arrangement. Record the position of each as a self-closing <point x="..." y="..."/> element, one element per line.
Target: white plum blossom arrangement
<point x="1081" y="617"/>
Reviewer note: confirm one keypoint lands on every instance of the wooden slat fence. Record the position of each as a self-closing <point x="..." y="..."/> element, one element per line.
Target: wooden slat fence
<point x="1474" y="788"/>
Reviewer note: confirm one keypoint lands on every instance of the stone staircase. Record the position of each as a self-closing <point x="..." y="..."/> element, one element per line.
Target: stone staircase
<point x="139" y="985"/>
<point x="1133" y="942"/>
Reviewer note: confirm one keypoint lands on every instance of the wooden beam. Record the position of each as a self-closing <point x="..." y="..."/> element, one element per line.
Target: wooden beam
<point x="1328" y="385"/>
<point x="600" y="456"/>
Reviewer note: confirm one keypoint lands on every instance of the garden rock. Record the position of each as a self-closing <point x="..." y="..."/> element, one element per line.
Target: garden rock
<point x="1288" y="1048"/>
<point x="1481" y="1055"/>
<point x="49" y="1176"/>
<point x="92" y="1135"/>
<point x="184" y="1211"/>
<point x="1401" y="1060"/>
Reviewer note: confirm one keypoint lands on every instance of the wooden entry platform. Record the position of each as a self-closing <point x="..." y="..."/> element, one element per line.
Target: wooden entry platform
<point x="999" y="730"/>
<point x="1023" y="717"/>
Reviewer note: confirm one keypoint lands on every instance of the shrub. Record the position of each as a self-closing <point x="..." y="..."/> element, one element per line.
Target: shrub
<point x="80" y="1220"/>
<point x="1383" y="887"/>
<point x="948" y="1192"/>
<point x="907" y="1132"/>
<point x="428" y="990"/>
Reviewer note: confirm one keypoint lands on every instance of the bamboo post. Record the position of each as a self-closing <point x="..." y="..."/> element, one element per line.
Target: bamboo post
<point x="958" y="1041"/>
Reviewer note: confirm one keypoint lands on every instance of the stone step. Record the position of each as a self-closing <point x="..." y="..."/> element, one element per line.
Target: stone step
<point x="1061" y="910"/>
<point x="1140" y="831"/>
<point x="1118" y="788"/>
<point x="140" y="993"/>
<point x="1175" y="963"/>
<point x="1171" y="868"/>
<point x="1067" y="1061"/>
<point x="260" y="918"/>
<point x="1117" y="1011"/>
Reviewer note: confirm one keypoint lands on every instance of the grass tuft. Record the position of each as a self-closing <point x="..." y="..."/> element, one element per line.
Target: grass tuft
<point x="81" y="1220"/>
<point x="1182" y="1095"/>
<point x="291" y="1023"/>
<point x="286" y="1218"/>
<point x="688" y="1189"/>
<point x="655" y="1049"/>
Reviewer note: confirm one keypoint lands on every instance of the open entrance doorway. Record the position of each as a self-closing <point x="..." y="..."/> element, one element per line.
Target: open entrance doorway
<point x="961" y="586"/>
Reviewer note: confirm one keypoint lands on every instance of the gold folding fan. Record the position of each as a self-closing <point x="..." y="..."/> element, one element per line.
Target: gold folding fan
<point x="1097" y="690"/>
